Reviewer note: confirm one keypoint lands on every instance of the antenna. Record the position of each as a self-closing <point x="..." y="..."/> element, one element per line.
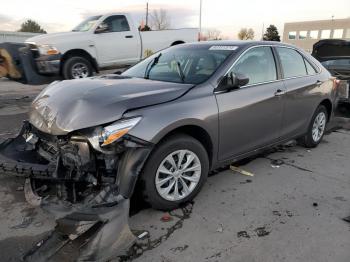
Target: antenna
<point x="200" y="20"/>
<point x="147" y="14"/>
<point x="262" y="31"/>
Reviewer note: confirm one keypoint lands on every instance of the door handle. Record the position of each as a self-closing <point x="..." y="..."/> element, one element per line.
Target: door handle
<point x="129" y="36"/>
<point x="318" y="82"/>
<point x="279" y="92"/>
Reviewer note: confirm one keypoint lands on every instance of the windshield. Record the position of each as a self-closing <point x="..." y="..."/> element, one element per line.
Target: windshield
<point x="87" y="24"/>
<point x="182" y="64"/>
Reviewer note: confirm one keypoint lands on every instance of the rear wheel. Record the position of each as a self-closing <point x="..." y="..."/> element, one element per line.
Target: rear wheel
<point x="316" y="129"/>
<point x="77" y="67"/>
<point x="175" y="172"/>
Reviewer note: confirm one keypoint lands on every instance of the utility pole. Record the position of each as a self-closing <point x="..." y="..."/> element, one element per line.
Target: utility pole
<point x="262" y="31"/>
<point x="200" y="21"/>
<point x="147" y="14"/>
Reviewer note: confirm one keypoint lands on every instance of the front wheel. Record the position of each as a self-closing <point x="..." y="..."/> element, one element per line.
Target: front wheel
<point x="77" y="67"/>
<point x="316" y="129"/>
<point x="175" y="172"/>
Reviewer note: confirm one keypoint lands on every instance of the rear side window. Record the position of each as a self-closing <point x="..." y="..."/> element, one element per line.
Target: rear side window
<point x="309" y="68"/>
<point x="117" y="23"/>
<point x="258" y="64"/>
<point x="292" y="62"/>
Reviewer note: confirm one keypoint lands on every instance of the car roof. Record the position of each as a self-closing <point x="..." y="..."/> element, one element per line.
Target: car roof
<point x="240" y="43"/>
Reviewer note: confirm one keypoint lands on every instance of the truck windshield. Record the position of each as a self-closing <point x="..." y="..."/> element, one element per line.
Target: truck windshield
<point x="182" y="64"/>
<point x="87" y="24"/>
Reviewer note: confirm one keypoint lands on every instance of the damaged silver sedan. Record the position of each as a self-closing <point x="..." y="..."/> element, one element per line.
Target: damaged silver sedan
<point x="159" y="128"/>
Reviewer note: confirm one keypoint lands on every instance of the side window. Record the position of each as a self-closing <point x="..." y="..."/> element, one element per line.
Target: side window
<point x="309" y="68"/>
<point x="258" y="64"/>
<point x="292" y="62"/>
<point x="117" y="23"/>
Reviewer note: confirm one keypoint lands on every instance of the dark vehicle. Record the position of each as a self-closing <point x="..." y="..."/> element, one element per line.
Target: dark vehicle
<point x="162" y="125"/>
<point x="334" y="55"/>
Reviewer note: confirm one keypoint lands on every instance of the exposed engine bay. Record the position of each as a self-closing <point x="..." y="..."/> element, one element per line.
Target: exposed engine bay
<point x="87" y="190"/>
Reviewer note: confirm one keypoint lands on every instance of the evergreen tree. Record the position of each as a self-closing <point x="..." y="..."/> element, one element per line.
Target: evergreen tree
<point x="272" y="34"/>
<point x="32" y="27"/>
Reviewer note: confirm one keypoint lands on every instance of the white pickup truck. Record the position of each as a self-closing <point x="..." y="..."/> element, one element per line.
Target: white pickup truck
<point x="101" y="41"/>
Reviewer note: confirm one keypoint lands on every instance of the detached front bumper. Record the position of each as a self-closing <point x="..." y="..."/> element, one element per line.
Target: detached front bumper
<point x="87" y="191"/>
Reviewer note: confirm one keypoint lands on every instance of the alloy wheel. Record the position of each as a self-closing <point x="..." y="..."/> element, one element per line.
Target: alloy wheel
<point x="178" y="175"/>
<point x="319" y="126"/>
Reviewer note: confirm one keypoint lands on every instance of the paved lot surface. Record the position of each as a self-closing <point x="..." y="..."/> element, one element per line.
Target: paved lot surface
<point x="291" y="210"/>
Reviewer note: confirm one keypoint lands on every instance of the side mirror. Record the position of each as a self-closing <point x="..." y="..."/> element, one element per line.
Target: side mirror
<point x="102" y="28"/>
<point x="233" y="81"/>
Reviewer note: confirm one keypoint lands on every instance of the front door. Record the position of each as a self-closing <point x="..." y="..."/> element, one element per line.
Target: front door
<point x="118" y="44"/>
<point x="251" y="116"/>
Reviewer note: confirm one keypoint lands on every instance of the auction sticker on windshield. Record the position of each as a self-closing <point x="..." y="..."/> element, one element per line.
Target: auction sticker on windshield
<point x="223" y="47"/>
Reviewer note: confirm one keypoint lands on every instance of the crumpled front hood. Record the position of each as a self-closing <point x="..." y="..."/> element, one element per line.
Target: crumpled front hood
<point x="76" y="104"/>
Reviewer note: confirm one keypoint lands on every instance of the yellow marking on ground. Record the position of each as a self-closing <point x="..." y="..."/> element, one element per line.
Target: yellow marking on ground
<point x="241" y="171"/>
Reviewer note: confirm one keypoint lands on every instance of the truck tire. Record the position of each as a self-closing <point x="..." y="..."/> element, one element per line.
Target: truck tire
<point x="77" y="67"/>
<point x="184" y="177"/>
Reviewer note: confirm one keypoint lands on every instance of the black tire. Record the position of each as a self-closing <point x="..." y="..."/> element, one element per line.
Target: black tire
<point x="160" y="152"/>
<point x="308" y="140"/>
<point x="67" y="69"/>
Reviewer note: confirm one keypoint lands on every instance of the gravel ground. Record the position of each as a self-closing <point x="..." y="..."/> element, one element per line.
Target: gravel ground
<point x="291" y="210"/>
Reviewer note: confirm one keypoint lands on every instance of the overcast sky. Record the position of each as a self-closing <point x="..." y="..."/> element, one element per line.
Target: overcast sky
<point x="226" y="15"/>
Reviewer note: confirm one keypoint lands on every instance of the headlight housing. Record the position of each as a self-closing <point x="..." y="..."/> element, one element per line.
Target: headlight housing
<point x="113" y="132"/>
<point x="47" y="50"/>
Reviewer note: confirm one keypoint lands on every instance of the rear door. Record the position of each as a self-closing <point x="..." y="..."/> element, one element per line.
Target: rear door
<point x="303" y="91"/>
<point x="119" y="44"/>
<point x="251" y="116"/>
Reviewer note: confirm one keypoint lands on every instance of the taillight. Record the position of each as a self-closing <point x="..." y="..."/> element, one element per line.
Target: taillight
<point x="336" y="83"/>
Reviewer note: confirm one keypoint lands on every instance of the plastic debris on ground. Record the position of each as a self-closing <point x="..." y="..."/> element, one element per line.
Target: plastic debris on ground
<point x="347" y="219"/>
<point x="220" y="229"/>
<point x="276" y="163"/>
<point x="143" y="235"/>
<point x="166" y="217"/>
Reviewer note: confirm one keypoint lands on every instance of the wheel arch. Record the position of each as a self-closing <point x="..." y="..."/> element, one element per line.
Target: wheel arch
<point x="328" y="105"/>
<point x="197" y="132"/>
<point x="80" y="53"/>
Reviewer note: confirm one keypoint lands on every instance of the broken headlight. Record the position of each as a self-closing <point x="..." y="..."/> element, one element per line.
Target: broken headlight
<point x="113" y="132"/>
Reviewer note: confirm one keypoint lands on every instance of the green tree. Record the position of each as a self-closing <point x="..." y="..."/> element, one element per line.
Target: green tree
<point x="272" y="34"/>
<point x="32" y="27"/>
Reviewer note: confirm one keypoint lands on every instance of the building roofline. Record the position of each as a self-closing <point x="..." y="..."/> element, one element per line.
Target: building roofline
<point x="319" y="21"/>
